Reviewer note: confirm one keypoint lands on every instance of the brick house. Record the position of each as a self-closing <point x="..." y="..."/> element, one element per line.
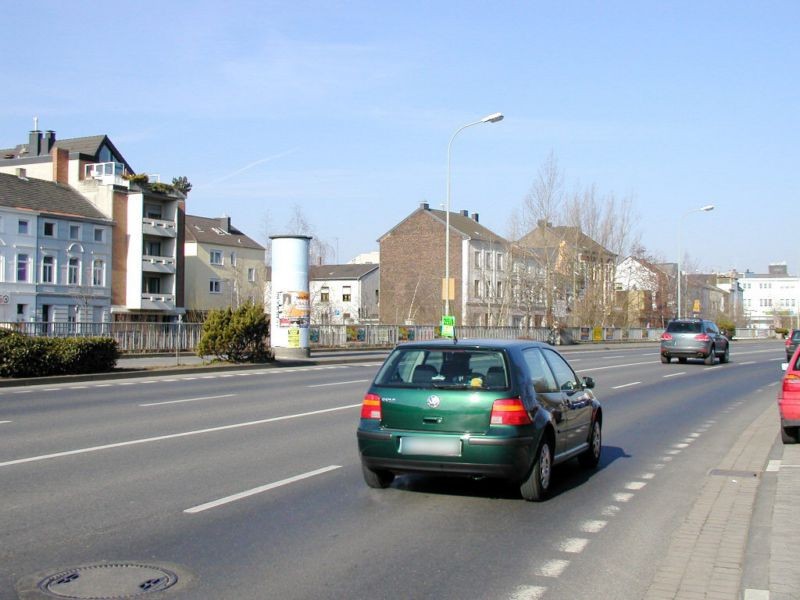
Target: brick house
<point x="148" y="237"/>
<point x="412" y="271"/>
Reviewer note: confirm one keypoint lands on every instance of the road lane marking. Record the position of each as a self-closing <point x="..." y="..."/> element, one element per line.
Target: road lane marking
<point x="635" y="485"/>
<point x="649" y="362"/>
<point x="573" y="545"/>
<point x="552" y="568"/>
<point x="611" y="510"/>
<point x="610" y="357"/>
<point x="623" y="497"/>
<point x="748" y="362"/>
<point x="188" y="400"/>
<point x="680" y="446"/>
<point x="593" y="526"/>
<point x="675" y="374"/>
<point x="619" y="387"/>
<point x="648" y="476"/>
<point x="773" y="384"/>
<point x="1" y="422"/>
<point x="171" y="436"/>
<point x="529" y="592"/>
<point x="338" y="383"/>
<point x="24" y="392"/>
<point x="774" y="466"/>
<point x="259" y="490"/>
<point x="751" y="594"/>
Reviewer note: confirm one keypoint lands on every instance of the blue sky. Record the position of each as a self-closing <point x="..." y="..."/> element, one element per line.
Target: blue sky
<point x="345" y="109"/>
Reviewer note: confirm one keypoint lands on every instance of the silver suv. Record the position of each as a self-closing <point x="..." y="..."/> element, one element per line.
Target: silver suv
<point x="694" y="338"/>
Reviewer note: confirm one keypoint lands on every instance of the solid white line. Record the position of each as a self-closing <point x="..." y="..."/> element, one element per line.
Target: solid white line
<point x="258" y="490"/>
<point x="619" y="387"/>
<point x="188" y="400"/>
<point x="338" y="383"/>
<point x="171" y="436"/>
<point x="675" y="374"/>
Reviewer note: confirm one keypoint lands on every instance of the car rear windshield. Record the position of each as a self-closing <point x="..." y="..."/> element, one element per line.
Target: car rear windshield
<point x="431" y="368"/>
<point x="684" y="327"/>
<point x="796" y="335"/>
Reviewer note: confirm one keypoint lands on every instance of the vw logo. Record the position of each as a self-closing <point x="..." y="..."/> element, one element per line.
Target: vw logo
<point x="433" y="401"/>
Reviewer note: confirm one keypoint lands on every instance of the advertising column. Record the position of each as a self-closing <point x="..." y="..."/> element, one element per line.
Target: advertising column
<point x="290" y="308"/>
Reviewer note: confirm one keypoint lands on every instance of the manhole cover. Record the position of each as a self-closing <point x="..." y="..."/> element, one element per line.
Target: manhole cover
<point x="108" y="581"/>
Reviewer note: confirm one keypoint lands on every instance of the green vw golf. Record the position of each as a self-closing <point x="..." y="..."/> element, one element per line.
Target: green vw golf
<point x="478" y="408"/>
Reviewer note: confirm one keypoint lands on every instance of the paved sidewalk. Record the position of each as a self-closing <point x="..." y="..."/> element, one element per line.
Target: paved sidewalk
<point x="709" y="556"/>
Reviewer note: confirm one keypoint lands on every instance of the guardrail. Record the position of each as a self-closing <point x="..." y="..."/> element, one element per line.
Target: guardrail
<point x="139" y="338"/>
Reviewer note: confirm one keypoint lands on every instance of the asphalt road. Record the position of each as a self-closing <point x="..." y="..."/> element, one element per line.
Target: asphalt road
<point x="248" y="485"/>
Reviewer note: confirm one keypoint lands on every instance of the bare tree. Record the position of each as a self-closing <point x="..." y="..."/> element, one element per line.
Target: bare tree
<point x="319" y="250"/>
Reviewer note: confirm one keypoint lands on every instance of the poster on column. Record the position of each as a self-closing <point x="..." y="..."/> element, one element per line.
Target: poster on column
<point x="293" y="309"/>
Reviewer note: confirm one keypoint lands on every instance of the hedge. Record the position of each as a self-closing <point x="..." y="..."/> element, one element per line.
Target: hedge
<point x="24" y="356"/>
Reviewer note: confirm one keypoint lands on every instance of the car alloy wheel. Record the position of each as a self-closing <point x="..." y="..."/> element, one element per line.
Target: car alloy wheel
<point x="591" y="457"/>
<point x="537" y="484"/>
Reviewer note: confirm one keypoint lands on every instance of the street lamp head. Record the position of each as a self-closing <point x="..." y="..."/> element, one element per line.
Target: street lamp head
<point x="493" y="118"/>
<point x="707" y="208"/>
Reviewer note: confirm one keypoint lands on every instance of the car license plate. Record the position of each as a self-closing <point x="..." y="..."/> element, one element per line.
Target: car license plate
<point x="430" y="446"/>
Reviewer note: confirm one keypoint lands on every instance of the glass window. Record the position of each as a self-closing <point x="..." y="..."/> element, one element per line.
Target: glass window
<point x="251" y="275"/>
<point x="73" y="272"/>
<point x="325" y="295"/>
<point x="346" y="295"/>
<point x="22" y="267"/>
<point x="215" y="286"/>
<point x="439" y="368"/>
<point x="477" y="258"/>
<point x="22" y="227"/>
<point x="74" y="232"/>
<point x="153" y="285"/>
<point x="542" y="376"/>
<point x="216" y="257"/>
<point x="97" y="273"/>
<point x="48" y="264"/>
<point x="565" y="376"/>
<point x="477" y="288"/>
<point x="98" y="234"/>
<point x="233" y="259"/>
<point x="49" y="229"/>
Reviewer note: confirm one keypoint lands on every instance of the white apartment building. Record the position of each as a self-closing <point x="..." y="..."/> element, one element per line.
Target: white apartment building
<point x="771" y="299"/>
<point x="344" y="294"/>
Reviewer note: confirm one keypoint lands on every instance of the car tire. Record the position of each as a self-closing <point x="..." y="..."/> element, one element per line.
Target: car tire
<point x="591" y="458"/>
<point x="709" y="360"/>
<point x="377" y="479"/>
<point x="665" y="359"/>
<point x="536" y="486"/>
<point x="789" y="435"/>
<point x="726" y="356"/>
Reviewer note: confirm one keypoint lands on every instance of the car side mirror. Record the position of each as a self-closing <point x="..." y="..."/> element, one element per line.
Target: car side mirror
<point x="784" y="366"/>
<point x="588" y="383"/>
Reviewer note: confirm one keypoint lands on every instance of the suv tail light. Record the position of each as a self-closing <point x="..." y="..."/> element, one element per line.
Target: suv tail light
<point x="371" y="407"/>
<point x="788" y="342"/>
<point x="666" y="337"/>
<point x="509" y="411"/>
<point x="702" y="337"/>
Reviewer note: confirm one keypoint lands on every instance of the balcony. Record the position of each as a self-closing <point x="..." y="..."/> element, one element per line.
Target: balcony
<point x="157" y="301"/>
<point x="106" y="172"/>
<point x="159" y="228"/>
<point x="158" y="264"/>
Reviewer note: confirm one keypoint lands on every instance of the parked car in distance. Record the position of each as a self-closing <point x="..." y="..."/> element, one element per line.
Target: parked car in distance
<point x="792" y="341"/>
<point x="694" y="338"/>
<point x="789" y="400"/>
<point x="478" y="408"/>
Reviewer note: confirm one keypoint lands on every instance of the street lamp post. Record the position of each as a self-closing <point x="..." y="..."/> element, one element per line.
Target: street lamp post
<point x="493" y="118"/>
<point x="680" y="249"/>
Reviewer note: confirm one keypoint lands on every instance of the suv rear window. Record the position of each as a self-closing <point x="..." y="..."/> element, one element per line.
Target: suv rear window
<point x="684" y="327"/>
<point x="430" y="368"/>
<point x="796" y="335"/>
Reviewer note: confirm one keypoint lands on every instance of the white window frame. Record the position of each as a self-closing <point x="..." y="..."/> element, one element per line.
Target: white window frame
<point x="47" y="224"/>
<point x="23" y="224"/>
<point x="214" y="286"/>
<point x="102" y="234"/>
<point x="27" y="265"/>
<point x="216" y="254"/>
<point x="98" y="268"/>
<point x="73" y="271"/>
<point x="76" y="226"/>
<point x="251" y="274"/>
<point x="51" y="268"/>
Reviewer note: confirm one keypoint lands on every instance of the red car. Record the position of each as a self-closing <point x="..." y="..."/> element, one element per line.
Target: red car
<point x="789" y="400"/>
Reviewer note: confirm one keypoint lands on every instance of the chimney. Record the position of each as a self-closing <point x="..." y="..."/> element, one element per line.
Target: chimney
<point x="60" y="165"/>
<point x="49" y="141"/>
<point x="464" y="213"/>
<point x="475" y="217"/>
<point x="424" y="206"/>
<point x="35" y="143"/>
<point x="21" y="173"/>
<point x="225" y="223"/>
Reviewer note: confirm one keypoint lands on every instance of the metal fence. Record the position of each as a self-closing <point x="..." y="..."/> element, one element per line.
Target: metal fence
<point x="139" y="338"/>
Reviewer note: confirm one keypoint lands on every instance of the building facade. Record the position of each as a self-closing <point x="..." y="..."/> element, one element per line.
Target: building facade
<point x="344" y="294"/>
<point x="146" y="278"/>
<point x="771" y="299"/>
<point x="55" y="254"/>
<point x="224" y="267"/>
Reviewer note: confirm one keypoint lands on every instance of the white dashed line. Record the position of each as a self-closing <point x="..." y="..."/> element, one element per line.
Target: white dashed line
<point x="2" y="422"/>
<point x="79" y="387"/>
<point x="24" y="392"/>
<point x="749" y="362"/>
<point x="635" y="485"/>
<point x="680" y="445"/>
<point x="573" y="545"/>
<point x="694" y="435"/>
<point x="99" y="385"/>
<point x="552" y="568"/>
<point x="128" y="383"/>
<point x="773" y="384"/>
<point x="649" y="476"/>
<point x="623" y="497"/>
<point x="619" y="387"/>
<point x="658" y="466"/>
<point x="666" y="458"/>
<point x="188" y="400"/>
<point x="529" y="592"/>
<point x="674" y="374"/>
<point x="611" y="510"/>
<point x="258" y="490"/>
<point x="593" y="526"/>
<point x="673" y="452"/>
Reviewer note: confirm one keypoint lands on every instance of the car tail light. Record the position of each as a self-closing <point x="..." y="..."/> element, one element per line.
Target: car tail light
<point x="371" y="407"/>
<point x="702" y="337"/>
<point x="788" y="342"/>
<point x="509" y="411"/>
<point x="791" y="380"/>
<point x="666" y="337"/>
